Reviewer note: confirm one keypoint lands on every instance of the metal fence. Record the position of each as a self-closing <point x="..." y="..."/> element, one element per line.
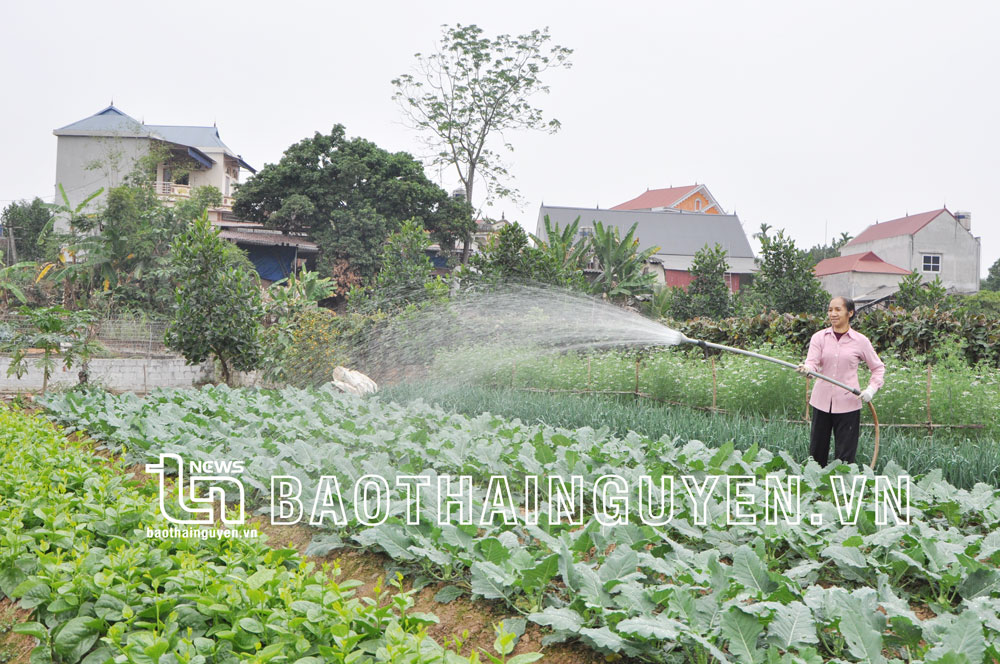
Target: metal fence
<point x="119" y="337"/>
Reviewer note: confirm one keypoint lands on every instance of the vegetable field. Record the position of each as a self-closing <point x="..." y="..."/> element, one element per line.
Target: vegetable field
<point x="73" y="551"/>
<point x="689" y="589"/>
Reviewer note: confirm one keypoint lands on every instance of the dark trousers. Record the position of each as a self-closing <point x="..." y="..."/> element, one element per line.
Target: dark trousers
<point x="845" y="427"/>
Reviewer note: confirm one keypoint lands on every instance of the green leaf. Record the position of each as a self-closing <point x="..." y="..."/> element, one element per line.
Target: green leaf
<point x="75" y="638"/>
<point x="981" y="583"/>
<point x="35" y="629"/>
<point x="862" y="640"/>
<point x="558" y="619"/>
<point x="964" y="638"/>
<point x="792" y="625"/>
<point x="751" y="573"/>
<point x="539" y="576"/>
<point x="260" y="577"/>
<point x="602" y="637"/>
<point x="448" y="594"/>
<point x="493" y="550"/>
<point x="651" y="627"/>
<point x="251" y="625"/>
<point x="742" y="630"/>
<point x="525" y="658"/>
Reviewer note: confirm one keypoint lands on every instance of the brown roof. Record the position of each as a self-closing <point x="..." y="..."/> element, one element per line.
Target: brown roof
<point x="654" y="198"/>
<point x="864" y="262"/>
<point x="907" y="225"/>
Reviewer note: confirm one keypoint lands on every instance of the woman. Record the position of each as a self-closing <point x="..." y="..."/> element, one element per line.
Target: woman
<point x="836" y="352"/>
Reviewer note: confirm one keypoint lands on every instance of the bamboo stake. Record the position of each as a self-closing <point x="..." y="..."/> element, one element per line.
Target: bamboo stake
<point x="637" y="376"/>
<point x="930" y="423"/>
<point x="588" y="373"/>
<point x="714" y="383"/>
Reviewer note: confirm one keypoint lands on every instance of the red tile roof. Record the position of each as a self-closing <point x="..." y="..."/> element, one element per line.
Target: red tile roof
<point x="654" y="198"/>
<point x="864" y="262"/>
<point x="903" y="226"/>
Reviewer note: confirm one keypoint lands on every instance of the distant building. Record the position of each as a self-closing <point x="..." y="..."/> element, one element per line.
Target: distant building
<point x="933" y="244"/>
<point x="101" y="150"/>
<point x="862" y="277"/>
<point x="677" y="235"/>
<point x="692" y="198"/>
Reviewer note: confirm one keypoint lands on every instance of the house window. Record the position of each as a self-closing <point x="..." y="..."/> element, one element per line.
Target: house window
<point x="932" y="262"/>
<point x="697" y="205"/>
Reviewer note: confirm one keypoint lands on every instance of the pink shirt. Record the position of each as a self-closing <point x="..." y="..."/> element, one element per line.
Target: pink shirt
<point x="839" y="360"/>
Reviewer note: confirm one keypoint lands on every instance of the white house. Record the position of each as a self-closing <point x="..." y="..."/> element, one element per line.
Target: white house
<point x="933" y="244"/>
<point x="101" y="150"/>
<point x="862" y="277"/>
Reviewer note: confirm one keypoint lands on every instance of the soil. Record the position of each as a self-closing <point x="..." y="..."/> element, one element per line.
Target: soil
<point x="14" y="648"/>
<point x="454" y="618"/>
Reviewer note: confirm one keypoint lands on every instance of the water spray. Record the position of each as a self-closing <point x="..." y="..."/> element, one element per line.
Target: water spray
<point x="683" y="339"/>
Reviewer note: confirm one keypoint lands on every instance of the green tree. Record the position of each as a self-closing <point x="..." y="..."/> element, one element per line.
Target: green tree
<point x="992" y="282"/>
<point x="785" y="281"/>
<point x="350" y="195"/>
<point x="121" y="251"/>
<point x="915" y="292"/>
<point x="509" y="256"/>
<point x="622" y="273"/>
<point x="218" y="308"/>
<point x="468" y="94"/>
<point x="30" y="224"/>
<point x="822" y="251"/>
<point x="707" y="295"/>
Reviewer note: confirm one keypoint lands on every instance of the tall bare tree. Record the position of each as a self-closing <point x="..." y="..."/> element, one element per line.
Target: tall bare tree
<point x="471" y="90"/>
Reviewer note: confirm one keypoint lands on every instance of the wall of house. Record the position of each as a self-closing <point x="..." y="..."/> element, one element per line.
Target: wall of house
<point x="959" y="254"/>
<point x="215" y="176"/>
<point x="959" y="250"/>
<point x="683" y="279"/>
<point x="85" y="164"/>
<point x="697" y="202"/>
<point x="856" y="284"/>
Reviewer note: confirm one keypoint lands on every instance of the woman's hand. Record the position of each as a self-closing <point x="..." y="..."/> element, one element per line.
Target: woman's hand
<point x="867" y="394"/>
<point x="802" y="369"/>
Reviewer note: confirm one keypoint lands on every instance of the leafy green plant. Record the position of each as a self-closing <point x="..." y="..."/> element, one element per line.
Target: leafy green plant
<point x="58" y="333"/>
<point x="622" y="273"/>
<point x="682" y="590"/>
<point x="73" y="551"/>
<point x="218" y="305"/>
<point x="707" y="295"/>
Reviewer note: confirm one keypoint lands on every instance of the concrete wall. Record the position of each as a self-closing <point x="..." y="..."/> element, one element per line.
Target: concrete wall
<point x="84" y="164"/>
<point x="855" y="284"/>
<point x="959" y="251"/>
<point x="118" y="374"/>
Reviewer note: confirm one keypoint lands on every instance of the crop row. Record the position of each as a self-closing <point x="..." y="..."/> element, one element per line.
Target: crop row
<point x="687" y="589"/>
<point x="73" y="551"/>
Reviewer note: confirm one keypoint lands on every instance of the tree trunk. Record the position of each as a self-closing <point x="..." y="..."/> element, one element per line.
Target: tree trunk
<point x="467" y="240"/>
<point x="225" y="372"/>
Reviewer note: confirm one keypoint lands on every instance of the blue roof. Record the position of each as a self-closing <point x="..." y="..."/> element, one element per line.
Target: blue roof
<point x="112" y="121"/>
<point x="109" y="120"/>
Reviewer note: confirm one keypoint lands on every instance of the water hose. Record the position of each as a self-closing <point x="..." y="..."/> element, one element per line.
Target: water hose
<point x="739" y="351"/>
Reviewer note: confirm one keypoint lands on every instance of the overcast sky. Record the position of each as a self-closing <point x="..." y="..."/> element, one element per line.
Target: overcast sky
<point x="816" y="118"/>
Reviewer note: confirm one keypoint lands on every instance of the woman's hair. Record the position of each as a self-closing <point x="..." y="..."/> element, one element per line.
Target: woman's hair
<point x="848" y="305"/>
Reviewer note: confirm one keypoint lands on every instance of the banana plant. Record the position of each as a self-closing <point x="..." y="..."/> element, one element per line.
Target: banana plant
<point x="562" y="244"/>
<point x="11" y="278"/>
<point x="621" y="263"/>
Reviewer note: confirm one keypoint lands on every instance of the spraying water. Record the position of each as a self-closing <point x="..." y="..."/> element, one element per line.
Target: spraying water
<point x="482" y="329"/>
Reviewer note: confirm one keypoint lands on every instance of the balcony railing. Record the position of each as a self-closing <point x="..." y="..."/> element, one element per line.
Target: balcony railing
<point x="170" y="191"/>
